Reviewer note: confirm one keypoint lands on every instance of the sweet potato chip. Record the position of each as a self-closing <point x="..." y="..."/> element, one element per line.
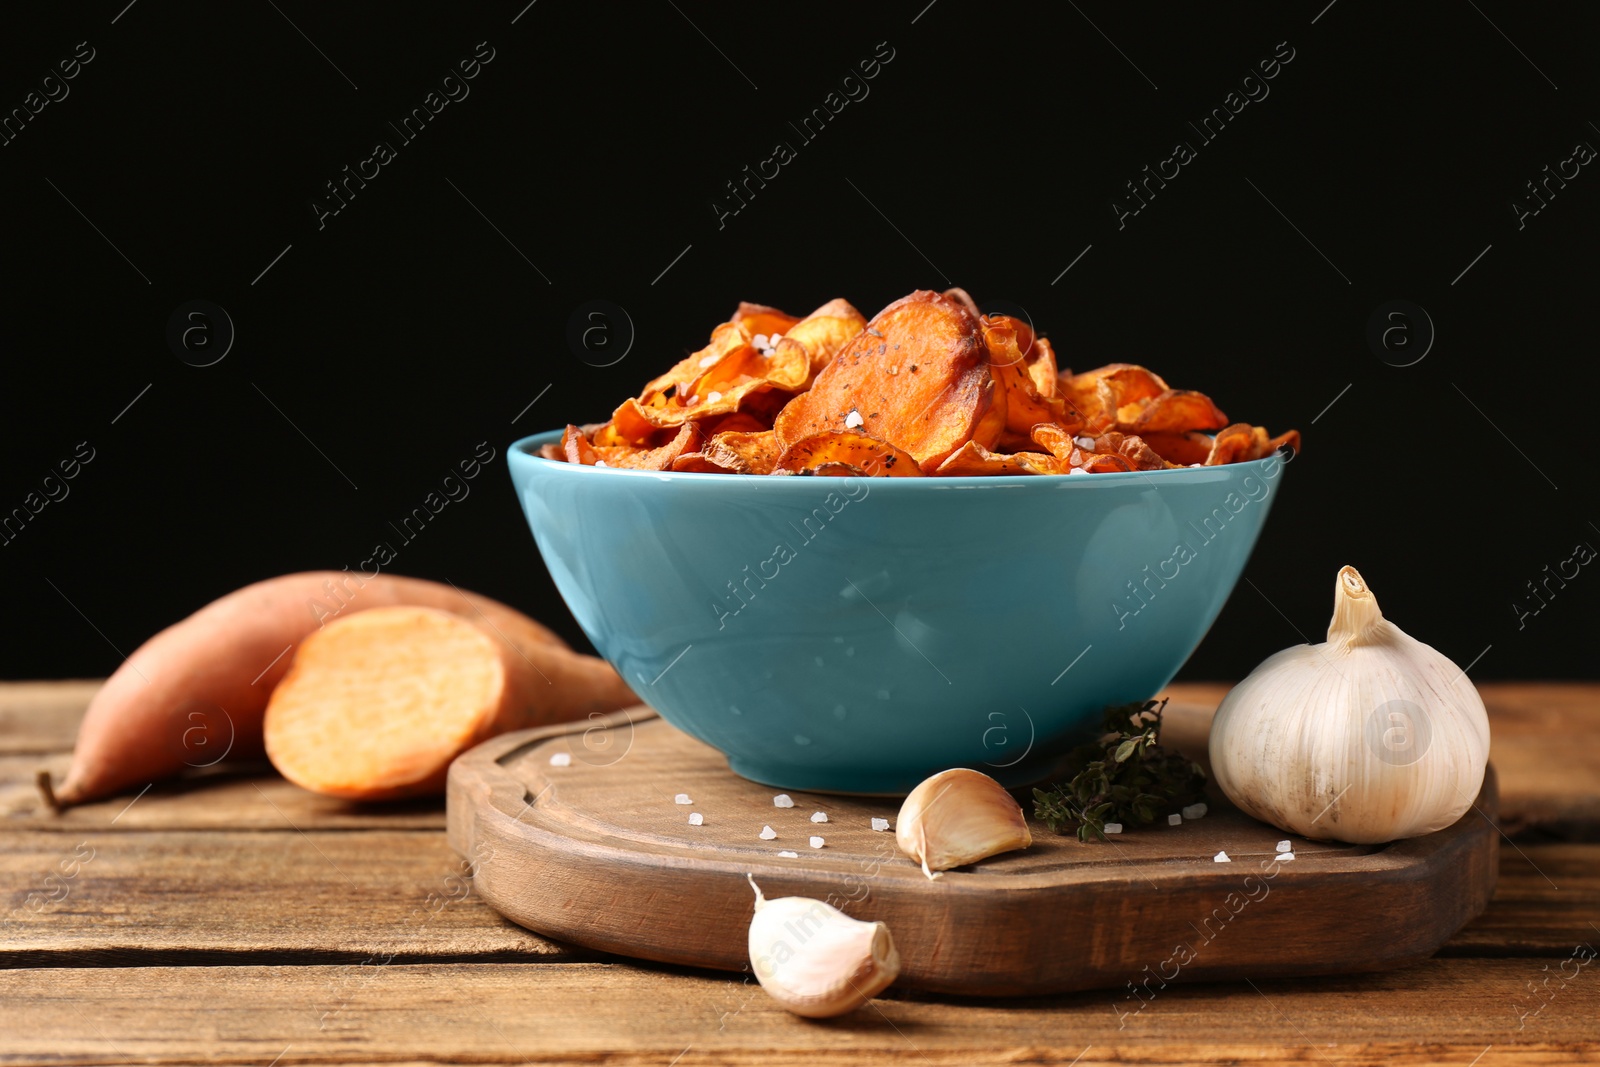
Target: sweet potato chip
<point x="551" y="450"/>
<point x="1024" y="406"/>
<point x="868" y="453"/>
<point x="1175" y="411"/>
<point x="747" y="453"/>
<point x="832" y="469"/>
<point x="916" y="377"/>
<point x="761" y="319"/>
<point x="1078" y="452"/>
<point x="1042" y="367"/>
<point x="1183" y="449"/>
<point x="576" y="447"/>
<point x="1130" y="447"/>
<point x="825" y="332"/>
<point x="1241" y="442"/>
<point x="700" y="463"/>
<point x="652" y="459"/>
<point x="973" y="459"/>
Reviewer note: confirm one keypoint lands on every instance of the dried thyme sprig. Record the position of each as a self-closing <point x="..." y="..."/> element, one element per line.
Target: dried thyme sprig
<point x="1126" y="777"/>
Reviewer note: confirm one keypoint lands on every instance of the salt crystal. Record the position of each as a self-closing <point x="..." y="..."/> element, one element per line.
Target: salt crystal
<point x="600" y="463"/>
<point x="682" y="798"/>
<point x="1113" y="828"/>
<point x="1174" y="820"/>
<point x="1077" y="470"/>
<point x="786" y="854"/>
<point x="761" y="340"/>
<point x="696" y="819"/>
<point x="1285" y="846"/>
<point x="1285" y="856"/>
<point x="1194" y="811"/>
<point x="1084" y="442"/>
<point x="819" y="816"/>
<point x="691" y="400"/>
<point x="1221" y="857"/>
<point x="768" y="833"/>
<point x="773" y="340"/>
<point x="713" y="396"/>
<point x="783" y="800"/>
<point x="561" y="759"/>
<point x="854" y="419"/>
<point x="816" y="842"/>
<point x="894" y="370"/>
<point x="707" y="361"/>
<point x="880" y="825"/>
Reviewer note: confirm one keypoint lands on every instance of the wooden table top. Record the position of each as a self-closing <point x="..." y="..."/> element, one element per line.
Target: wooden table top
<point x="240" y="919"/>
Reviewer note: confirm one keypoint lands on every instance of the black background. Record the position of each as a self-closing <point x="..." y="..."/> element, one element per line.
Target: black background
<point x="987" y="155"/>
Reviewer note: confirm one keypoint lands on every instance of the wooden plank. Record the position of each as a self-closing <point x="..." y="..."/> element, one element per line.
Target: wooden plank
<point x="1546" y="747"/>
<point x="1546" y="902"/>
<point x="42" y="716"/>
<point x="228" y="797"/>
<point x="598" y="853"/>
<point x="116" y="899"/>
<point x="1446" y="1011"/>
<point x="1544" y="742"/>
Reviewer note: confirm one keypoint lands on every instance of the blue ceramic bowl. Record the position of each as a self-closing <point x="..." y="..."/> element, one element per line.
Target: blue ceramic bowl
<point x="859" y="634"/>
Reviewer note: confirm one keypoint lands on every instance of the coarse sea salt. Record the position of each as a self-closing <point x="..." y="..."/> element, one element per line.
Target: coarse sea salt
<point x="1077" y="470"/>
<point x="707" y="361"/>
<point x="1284" y="856"/>
<point x="1285" y="846"/>
<point x="880" y="825"/>
<point x="696" y="819"/>
<point x="1174" y="820"/>
<point x="682" y="798"/>
<point x="1194" y="811"/>
<point x="713" y="396"/>
<point x="819" y="816"/>
<point x="561" y="759"/>
<point x="1113" y="828"/>
<point x="768" y="833"/>
<point x="1221" y="857"/>
<point x="783" y="800"/>
<point x="786" y="854"/>
<point x="852" y="420"/>
<point x="816" y="842"/>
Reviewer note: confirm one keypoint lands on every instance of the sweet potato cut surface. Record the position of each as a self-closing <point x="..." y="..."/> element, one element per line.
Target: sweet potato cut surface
<point x="376" y="705"/>
<point x="1176" y="411"/>
<point x="917" y="378"/>
<point x="858" y="450"/>
<point x="826" y="331"/>
<point x="197" y="690"/>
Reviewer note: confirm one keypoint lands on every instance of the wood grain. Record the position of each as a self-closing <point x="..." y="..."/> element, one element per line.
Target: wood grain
<point x="227" y="797"/>
<point x="596" y="852"/>
<point x="116" y="899"/>
<point x="1446" y="1011"/>
<point x="1546" y="902"/>
<point x="42" y="716"/>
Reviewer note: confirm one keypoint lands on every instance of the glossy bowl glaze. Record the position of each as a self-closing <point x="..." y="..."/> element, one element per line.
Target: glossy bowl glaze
<point x="859" y="634"/>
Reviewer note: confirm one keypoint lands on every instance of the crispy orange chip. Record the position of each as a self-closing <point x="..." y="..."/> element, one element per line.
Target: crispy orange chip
<point x="860" y="450"/>
<point x="973" y="459"/>
<point x="653" y="459"/>
<point x="916" y="377"/>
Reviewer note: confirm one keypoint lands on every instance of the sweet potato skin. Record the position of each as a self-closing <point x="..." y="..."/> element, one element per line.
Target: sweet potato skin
<point x="197" y="690"/>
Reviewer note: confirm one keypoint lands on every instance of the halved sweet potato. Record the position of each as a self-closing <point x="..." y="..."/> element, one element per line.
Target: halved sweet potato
<point x="916" y="377"/>
<point x="860" y="450"/>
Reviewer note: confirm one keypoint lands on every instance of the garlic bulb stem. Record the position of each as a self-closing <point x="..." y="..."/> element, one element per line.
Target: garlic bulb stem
<point x="1370" y="737"/>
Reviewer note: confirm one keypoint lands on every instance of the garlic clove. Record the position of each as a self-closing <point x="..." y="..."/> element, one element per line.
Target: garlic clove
<point x="1370" y="737"/>
<point x="815" y="960"/>
<point x="957" y="817"/>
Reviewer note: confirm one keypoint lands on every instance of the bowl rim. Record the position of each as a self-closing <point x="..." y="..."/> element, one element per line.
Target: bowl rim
<point x="524" y="449"/>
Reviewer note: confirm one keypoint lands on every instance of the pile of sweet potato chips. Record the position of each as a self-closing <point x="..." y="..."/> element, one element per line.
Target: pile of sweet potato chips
<point x="930" y="386"/>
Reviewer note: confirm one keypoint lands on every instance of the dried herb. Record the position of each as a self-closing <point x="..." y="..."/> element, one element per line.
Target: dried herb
<point x="1126" y="777"/>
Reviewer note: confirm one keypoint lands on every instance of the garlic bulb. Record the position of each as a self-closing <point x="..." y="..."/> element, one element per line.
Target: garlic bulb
<point x="814" y="959"/>
<point x="1371" y="737"/>
<point x="956" y="817"/>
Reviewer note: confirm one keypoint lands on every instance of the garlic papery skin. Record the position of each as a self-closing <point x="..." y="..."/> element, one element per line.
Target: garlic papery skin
<point x="957" y="817"/>
<point x="1371" y="737"/>
<point x="814" y="959"/>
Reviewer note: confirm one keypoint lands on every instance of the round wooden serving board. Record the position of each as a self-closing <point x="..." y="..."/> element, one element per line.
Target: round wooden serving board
<point x="593" y="849"/>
